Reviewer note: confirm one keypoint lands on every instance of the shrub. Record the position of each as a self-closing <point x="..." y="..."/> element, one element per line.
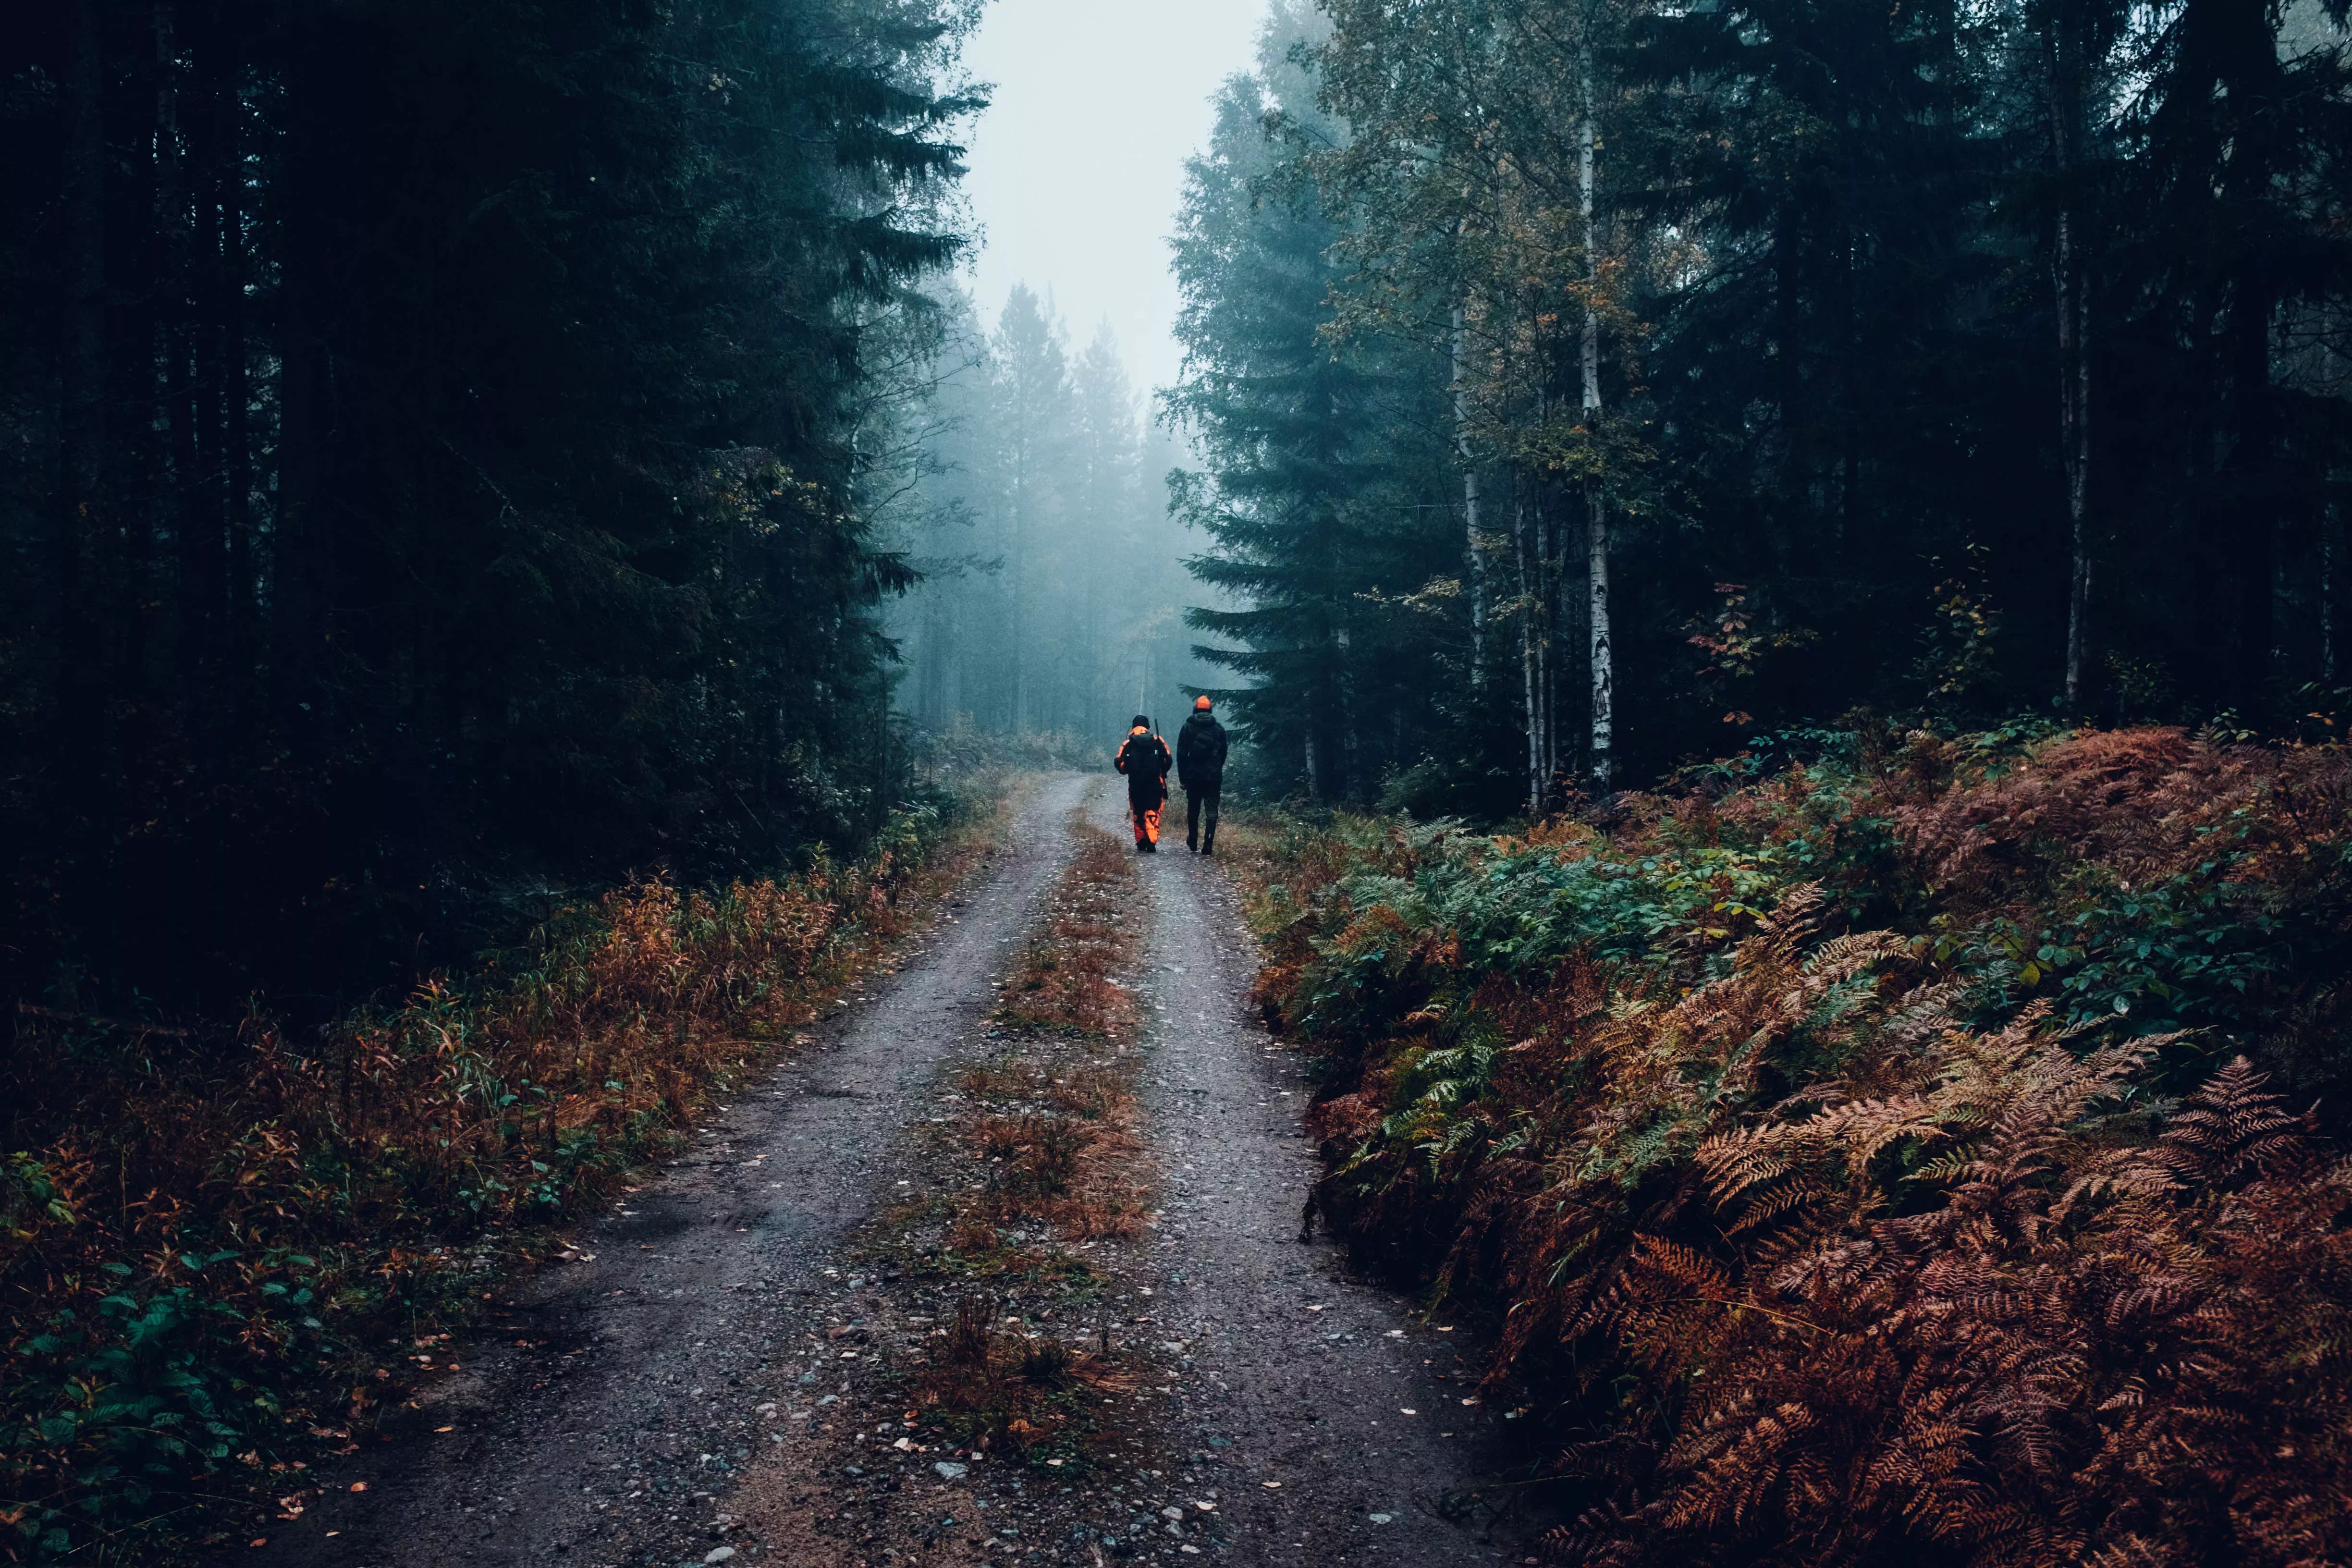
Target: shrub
<point x="1872" y="1157"/>
<point x="204" y="1244"/>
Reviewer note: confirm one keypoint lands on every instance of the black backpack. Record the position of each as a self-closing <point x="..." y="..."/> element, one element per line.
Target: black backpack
<point x="1145" y="762"/>
<point x="1201" y="752"/>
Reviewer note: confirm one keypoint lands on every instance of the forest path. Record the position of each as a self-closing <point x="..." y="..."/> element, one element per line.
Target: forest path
<point x="607" y="1421"/>
<point x="623" y="1395"/>
<point x="1348" y="1431"/>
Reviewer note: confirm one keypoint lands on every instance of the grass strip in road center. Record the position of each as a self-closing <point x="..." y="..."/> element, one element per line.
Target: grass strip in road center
<point x="1001" y="1387"/>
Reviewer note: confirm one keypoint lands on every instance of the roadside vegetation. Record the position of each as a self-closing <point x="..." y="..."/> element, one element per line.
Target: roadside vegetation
<point x="216" y="1259"/>
<point x="1876" y="1147"/>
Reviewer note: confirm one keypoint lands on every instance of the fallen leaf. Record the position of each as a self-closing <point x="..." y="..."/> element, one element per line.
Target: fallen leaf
<point x="359" y="1486"/>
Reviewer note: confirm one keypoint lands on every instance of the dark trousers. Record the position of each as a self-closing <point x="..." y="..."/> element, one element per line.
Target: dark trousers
<point x="1195" y="800"/>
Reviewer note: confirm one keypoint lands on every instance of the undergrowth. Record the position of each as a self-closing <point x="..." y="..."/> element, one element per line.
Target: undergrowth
<point x="1051" y="1125"/>
<point x="1897" y="1153"/>
<point x="206" y="1254"/>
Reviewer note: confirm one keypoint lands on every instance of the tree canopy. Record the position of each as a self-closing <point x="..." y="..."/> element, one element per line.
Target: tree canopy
<point x="433" y="464"/>
<point x="1777" y="362"/>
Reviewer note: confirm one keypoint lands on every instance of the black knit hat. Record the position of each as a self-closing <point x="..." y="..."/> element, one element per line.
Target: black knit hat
<point x="1141" y="719"/>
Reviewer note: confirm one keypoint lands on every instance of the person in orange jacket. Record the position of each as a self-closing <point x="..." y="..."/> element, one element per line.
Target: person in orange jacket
<point x="1145" y="760"/>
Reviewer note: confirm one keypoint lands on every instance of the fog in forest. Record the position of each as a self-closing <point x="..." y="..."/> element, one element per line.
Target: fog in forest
<point x="572" y="576"/>
<point x="674" y="438"/>
<point x="1030" y="489"/>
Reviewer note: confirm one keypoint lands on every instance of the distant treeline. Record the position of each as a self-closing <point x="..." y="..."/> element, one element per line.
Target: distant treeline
<point x="430" y="464"/>
<point x="1032" y="503"/>
<point x="1586" y="384"/>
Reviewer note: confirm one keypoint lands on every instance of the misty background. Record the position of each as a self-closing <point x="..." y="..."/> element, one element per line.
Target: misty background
<point x="1029" y="488"/>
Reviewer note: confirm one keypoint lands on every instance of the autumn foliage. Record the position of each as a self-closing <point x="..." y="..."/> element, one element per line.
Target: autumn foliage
<point x="205" y="1248"/>
<point x="1884" y="1157"/>
<point x="1051" y="1125"/>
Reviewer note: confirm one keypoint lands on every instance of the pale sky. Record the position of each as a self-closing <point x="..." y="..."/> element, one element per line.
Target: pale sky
<point x="1078" y="165"/>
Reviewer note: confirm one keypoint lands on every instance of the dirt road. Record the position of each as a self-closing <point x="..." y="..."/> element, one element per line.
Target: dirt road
<point x="613" y="1418"/>
<point x="1362" y="1413"/>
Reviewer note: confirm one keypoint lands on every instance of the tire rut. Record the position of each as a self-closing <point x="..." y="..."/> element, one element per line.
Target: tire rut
<point x="1349" y="1430"/>
<point x="617" y="1405"/>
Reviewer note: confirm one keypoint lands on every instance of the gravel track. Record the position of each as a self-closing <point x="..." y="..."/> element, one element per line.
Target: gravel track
<point x="1301" y="1376"/>
<point x="608" y="1423"/>
<point x="637" y="1368"/>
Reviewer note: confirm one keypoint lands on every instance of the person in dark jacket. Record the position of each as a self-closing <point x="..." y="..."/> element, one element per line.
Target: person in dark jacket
<point x="1144" y="760"/>
<point x="1200" y="769"/>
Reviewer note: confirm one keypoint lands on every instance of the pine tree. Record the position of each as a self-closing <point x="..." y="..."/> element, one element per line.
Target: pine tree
<point x="1324" y="460"/>
<point x="439" y="432"/>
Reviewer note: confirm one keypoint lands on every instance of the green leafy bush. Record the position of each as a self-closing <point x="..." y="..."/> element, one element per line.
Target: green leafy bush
<point x="1873" y="1151"/>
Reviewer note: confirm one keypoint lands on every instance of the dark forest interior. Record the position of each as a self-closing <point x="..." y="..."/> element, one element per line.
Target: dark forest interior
<point x="458" y="454"/>
<point x="1775" y="569"/>
<point x="430" y="444"/>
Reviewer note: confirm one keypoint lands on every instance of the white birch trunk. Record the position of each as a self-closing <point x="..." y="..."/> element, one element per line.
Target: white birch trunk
<point x="1531" y="692"/>
<point x="1596" y="518"/>
<point x="2073" y="356"/>
<point x="1469" y="501"/>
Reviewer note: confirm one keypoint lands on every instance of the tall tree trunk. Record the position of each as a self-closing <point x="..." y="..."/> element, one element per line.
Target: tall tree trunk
<point x="2255" y="503"/>
<point x="2065" y="66"/>
<point x="1557" y="641"/>
<point x="1477" y="556"/>
<point x="190" y="392"/>
<point x="2254" y="465"/>
<point x="1531" y="691"/>
<point x="81" y="427"/>
<point x="1596" y="516"/>
<point x="236" y="434"/>
<point x="149" y="324"/>
<point x="301" y="566"/>
<point x="1603" y="664"/>
<point x="2330" y="524"/>
<point x="1019" y="608"/>
<point x="1343" y="686"/>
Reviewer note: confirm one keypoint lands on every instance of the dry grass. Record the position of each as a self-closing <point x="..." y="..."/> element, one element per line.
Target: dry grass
<point x="1011" y="1391"/>
<point x="1053" y="1124"/>
<point x="1089" y="935"/>
<point x="1059" y="1137"/>
<point x="201" y="1250"/>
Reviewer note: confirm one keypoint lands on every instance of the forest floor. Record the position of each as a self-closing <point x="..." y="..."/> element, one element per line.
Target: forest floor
<point x="838" y="1333"/>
